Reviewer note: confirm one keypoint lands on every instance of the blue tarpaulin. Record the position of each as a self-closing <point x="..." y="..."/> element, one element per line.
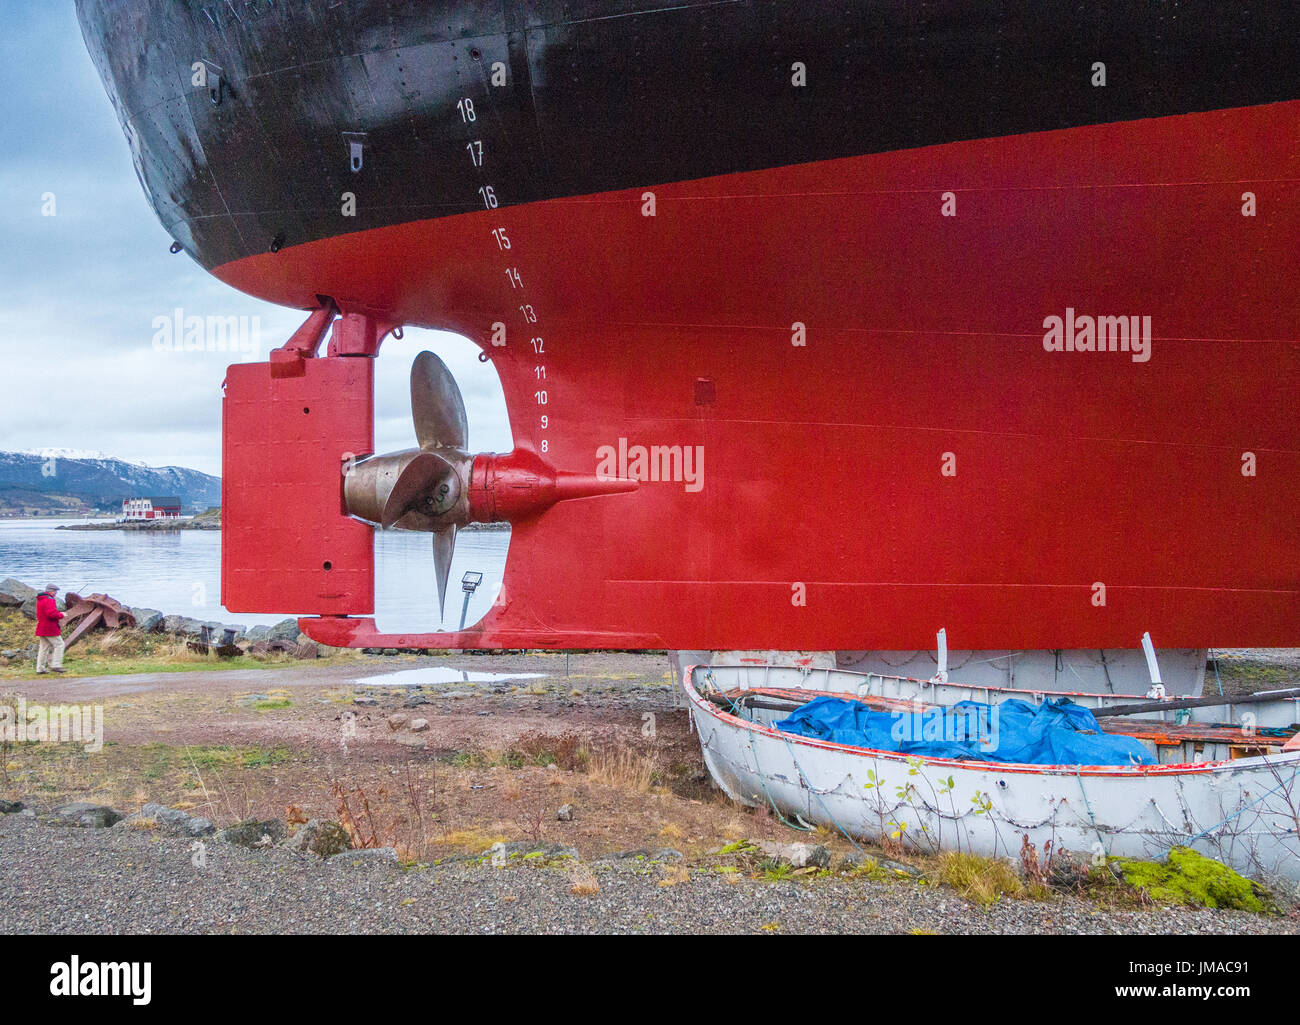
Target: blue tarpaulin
<point x="1053" y="733"/>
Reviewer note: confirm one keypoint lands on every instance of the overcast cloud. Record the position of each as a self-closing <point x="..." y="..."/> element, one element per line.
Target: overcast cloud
<point x="79" y="291"/>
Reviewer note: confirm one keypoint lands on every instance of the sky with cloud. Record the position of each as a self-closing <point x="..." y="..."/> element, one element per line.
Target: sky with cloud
<point x="79" y="290"/>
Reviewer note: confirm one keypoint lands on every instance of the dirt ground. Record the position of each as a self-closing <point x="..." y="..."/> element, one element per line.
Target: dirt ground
<point x="497" y="761"/>
<point x="502" y="751"/>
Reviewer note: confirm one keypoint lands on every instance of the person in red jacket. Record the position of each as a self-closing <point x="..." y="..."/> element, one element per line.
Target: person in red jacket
<point x="48" y="636"/>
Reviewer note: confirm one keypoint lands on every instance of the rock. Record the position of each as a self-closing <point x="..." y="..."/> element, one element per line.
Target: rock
<point x="565" y="814"/>
<point x="382" y="854"/>
<point x="28" y="608"/>
<point x="414" y="743"/>
<point x="88" y="815"/>
<point x="183" y="626"/>
<point x="11" y="653"/>
<point x="806" y="855"/>
<point x="10" y="807"/>
<point x="419" y="725"/>
<point x="172" y="821"/>
<point x="250" y="832"/>
<point x="307" y="649"/>
<point x="797" y="855"/>
<point x="897" y="866"/>
<point x="258" y="633"/>
<point x="16" y="589"/>
<point x="325" y="839"/>
<point x="148" y="620"/>
<point x="270" y="647"/>
<point x="415" y="701"/>
<point x="854" y="859"/>
<point x="365" y="702"/>
<point x="521" y="850"/>
<point x="396" y="722"/>
<point x="285" y="630"/>
<point x="9" y="601"/>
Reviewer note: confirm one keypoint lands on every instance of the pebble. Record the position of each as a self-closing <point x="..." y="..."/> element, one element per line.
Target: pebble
<point x="148" y="884"/>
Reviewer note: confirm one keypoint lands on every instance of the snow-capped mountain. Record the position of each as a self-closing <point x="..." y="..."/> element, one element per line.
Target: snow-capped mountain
<point x="100" y="480"/>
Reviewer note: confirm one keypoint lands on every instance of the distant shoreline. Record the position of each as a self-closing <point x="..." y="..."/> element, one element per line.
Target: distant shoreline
<point x="197" y="523"/>
<point x="153" y="525"/>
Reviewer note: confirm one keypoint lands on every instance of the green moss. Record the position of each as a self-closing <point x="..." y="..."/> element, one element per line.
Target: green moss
<point x="270" y="706"/>
<point x="1187" y="877"/>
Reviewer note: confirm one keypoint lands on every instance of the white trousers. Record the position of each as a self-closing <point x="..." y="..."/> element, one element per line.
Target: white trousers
<point x="49" y="650"/>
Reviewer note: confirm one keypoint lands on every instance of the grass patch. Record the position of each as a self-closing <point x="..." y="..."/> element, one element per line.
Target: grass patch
<point x="158" y="760"/>
<point x="980" y="880"/>
<point x="623" y="767"/>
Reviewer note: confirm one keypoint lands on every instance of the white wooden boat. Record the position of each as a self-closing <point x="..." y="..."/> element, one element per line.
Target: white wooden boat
<point x="1227" y="793"/>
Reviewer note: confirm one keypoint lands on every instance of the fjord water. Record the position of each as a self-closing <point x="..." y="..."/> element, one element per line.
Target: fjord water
<point x="179" y="572"/>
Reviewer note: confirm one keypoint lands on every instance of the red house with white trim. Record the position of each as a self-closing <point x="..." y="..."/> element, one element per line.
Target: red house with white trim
<point x="153" y="508"/>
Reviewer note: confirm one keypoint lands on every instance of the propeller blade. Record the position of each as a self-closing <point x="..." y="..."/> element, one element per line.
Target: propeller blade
<point x="444" y="545"/>
<point x="436" y="405"/>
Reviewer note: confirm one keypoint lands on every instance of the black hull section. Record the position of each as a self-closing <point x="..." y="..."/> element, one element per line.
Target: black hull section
<point x="617" y="94"/>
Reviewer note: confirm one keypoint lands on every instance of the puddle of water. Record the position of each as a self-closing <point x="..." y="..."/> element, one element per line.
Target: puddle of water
<point x="440" y="674"/>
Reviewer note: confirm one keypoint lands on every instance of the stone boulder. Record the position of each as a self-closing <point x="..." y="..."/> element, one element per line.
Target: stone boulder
<point x="184" y="626"/>
<point x="324" y="839"/>
<point x="285" y="630"/>
<point x="87" y="815"/>
<point x="250" y="833"/>
<point x="172" y="821"/>
<point x="797" y="855"/>
<point x="14" y="592"/>
<point x="147" y="620"/>
<point x="501" y="853"/>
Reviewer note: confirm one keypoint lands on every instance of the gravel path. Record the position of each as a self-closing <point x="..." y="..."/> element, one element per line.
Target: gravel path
<point x="72" y="880"/>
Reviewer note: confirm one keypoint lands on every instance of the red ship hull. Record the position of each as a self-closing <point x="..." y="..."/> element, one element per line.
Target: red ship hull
<point x="919" y="460"/>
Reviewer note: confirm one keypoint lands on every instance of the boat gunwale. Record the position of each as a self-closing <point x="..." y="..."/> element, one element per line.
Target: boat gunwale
<point x="1229" y="765"/>
<point x="1042" y="692"/>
